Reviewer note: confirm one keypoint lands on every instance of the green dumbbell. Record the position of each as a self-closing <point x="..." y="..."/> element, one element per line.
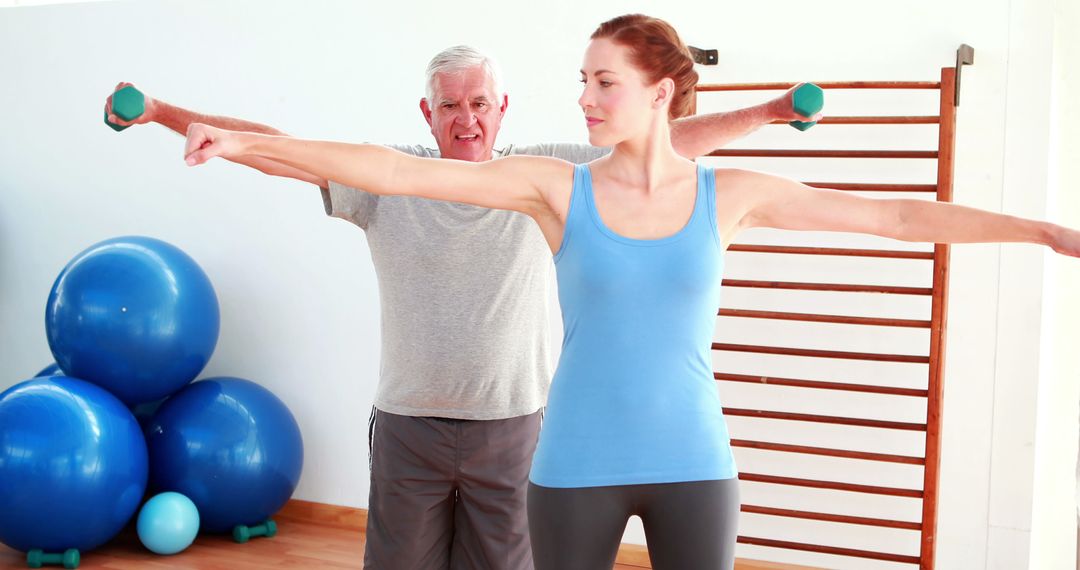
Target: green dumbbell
<point x="807" y="101"/>
<point x="127" y="103"/>
<point x="38" y="558"/>
<point x="242" y="533"/>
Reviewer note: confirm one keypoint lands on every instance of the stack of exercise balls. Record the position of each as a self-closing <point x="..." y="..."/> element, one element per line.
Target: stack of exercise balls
<point x="131" y="321"/>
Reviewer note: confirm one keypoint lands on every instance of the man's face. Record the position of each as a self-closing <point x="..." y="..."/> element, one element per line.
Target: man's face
<point x="465" y="114"/>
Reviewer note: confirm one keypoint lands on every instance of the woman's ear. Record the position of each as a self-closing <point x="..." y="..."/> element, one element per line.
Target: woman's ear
<point x="665" y="90"/>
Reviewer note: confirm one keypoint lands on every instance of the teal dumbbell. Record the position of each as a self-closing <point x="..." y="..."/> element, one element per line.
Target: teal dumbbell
<point x="127" y="103"/>
<point x="242" y="533"/>
<point x="807" y="101"/>
<point x="37" y="558"/>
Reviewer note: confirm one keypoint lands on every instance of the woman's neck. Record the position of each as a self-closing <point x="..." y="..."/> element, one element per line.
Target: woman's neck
<point x="646" y="162"/>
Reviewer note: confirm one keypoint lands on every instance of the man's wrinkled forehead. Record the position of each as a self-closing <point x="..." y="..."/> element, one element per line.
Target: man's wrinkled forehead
<point x="472" y="84"/>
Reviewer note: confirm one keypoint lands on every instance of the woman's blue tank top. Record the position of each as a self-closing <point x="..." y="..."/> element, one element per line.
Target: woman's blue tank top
<point x="633" y="400"/>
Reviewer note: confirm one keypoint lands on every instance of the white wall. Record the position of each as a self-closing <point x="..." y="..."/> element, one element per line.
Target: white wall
<point x="298" y="294"/>
<point x="1057" y="409"/>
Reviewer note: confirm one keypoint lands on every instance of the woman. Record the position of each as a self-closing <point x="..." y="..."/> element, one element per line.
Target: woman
<point x="634" y="423"/>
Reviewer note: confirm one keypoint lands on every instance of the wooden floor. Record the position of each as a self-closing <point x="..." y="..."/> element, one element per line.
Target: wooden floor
<point x="310" y="535"/>
<point x="298" y="544"/>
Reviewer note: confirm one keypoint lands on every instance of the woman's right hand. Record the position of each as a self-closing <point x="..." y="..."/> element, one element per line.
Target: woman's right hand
<point x="1065" y="241"/>
<point x="205" y="142"/>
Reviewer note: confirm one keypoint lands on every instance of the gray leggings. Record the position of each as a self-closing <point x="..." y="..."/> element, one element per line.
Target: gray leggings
<point x="687" y="525"/>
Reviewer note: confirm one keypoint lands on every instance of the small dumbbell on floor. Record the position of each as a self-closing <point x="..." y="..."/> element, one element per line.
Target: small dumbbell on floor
<point x="242" y="533"/>
<point x="38" y="558"/>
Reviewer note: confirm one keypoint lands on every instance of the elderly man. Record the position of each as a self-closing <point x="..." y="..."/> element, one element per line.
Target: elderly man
<point x="466" y="359"/>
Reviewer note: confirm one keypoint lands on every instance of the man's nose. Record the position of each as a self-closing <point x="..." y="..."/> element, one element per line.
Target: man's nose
<point x="465" y="116"/>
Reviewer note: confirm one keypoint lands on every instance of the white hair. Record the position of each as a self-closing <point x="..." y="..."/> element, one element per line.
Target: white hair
<point x="458" y="59"/>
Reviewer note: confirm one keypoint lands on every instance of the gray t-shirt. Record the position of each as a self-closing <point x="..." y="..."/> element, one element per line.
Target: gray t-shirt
<point x="464" y="294"/>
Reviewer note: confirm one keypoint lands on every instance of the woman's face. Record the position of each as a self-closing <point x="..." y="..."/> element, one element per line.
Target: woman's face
<point x="617" y="102"/>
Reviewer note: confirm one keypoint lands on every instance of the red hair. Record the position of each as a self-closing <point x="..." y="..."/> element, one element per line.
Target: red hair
<point x="658" y="52"/>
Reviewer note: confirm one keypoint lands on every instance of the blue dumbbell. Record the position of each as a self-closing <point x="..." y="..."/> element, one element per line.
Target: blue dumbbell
<point x="38" y="558"/>
<point x="242" y="533"/>
<point x="808" y="100"/>
<point x="127" y="103"/>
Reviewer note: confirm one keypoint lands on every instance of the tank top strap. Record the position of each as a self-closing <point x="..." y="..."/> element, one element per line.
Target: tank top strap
<point x="706" y="200"/>
<point x="577" y="212"/>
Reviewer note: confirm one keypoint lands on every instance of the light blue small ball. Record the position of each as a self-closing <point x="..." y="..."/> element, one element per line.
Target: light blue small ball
<point x="168" y="523"/>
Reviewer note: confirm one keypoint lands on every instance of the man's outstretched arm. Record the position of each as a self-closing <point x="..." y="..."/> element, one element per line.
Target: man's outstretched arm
<point x="701" y="134"/>
<point x="178" y="119"/>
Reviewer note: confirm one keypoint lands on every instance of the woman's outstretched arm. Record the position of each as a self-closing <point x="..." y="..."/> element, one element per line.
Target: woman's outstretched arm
<point x="519" y="183"/>
<point x="776" y="202"/>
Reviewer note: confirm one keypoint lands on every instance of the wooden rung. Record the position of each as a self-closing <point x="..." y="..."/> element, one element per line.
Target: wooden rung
<point x="817" y="418"/>
<point x="874" y="357"/>
<point x="804" y="153"/>
<point x="814" y="318"/>
<point x="842" y="252"/>
<point x="829" y="549"/>
<point x="818" y="384"/>
<point x="831" y="485"/>
<point x="866" y="187"/>
<point x="829" y="452"/>
<point x="835" y="287"/>
<point x="706" y="87"/>
<point x="829" y="517"/>
<point x="867" y="120"/>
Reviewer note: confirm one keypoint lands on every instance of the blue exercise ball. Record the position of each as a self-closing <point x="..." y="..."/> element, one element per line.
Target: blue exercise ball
<point x="50" y="370"/>
<point x="168" y="523"/>
<point x="230" y="446"/>
<point x="73" y="465"/>
<point x="134" y="315"/>
<point x="146" y="410"/>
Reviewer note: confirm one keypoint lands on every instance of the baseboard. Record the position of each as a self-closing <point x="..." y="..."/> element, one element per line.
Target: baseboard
<point x="324" y="514"/>
<point x="356" y="518"/>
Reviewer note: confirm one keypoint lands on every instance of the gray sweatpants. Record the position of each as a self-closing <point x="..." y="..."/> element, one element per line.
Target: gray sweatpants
<point x="688" y="526"/>
<point x="449" y="494"/>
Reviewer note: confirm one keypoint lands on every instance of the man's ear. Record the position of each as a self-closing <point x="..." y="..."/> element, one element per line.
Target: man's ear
<point x="426" y="110"/>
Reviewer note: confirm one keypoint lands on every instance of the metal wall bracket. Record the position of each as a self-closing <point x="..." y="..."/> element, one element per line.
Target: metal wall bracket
<point x="704" y="56"/>
<point x="965" y="55"/>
